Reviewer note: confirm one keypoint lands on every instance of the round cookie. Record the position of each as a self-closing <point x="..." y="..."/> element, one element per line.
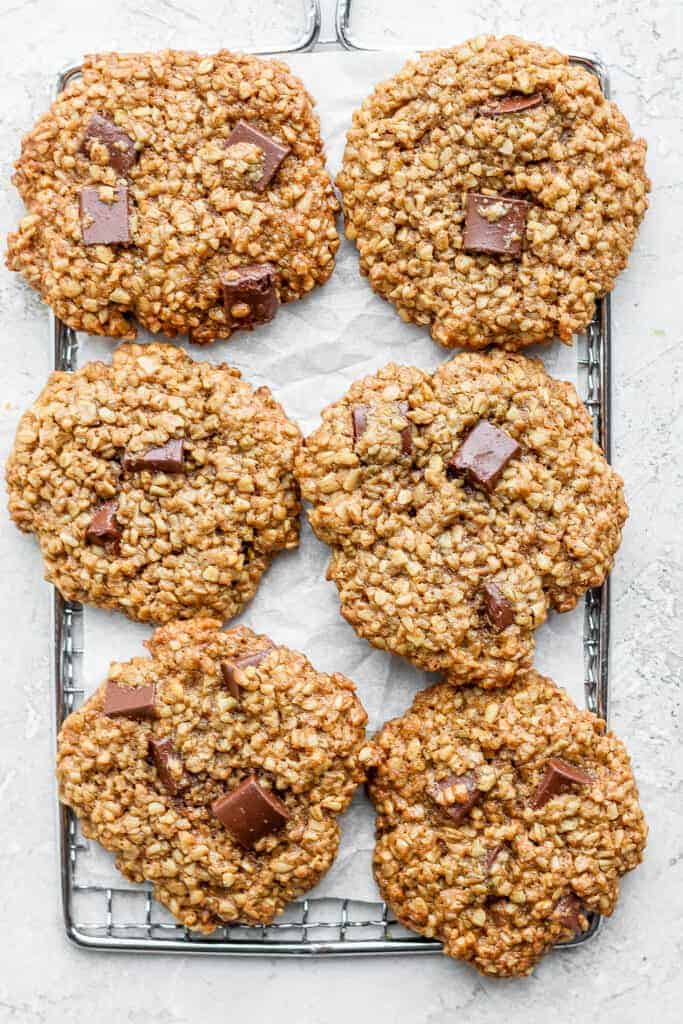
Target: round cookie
<point x="157" y="486"/>
<point x="215" y="774"/>
<point x="502" y="817"/>
<point x="185" y="192"/>
<point x="449" y="547"/>
<point x="493" y="193"/>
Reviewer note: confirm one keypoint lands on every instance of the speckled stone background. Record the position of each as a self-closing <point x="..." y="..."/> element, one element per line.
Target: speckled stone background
<point x="633" y="971"/>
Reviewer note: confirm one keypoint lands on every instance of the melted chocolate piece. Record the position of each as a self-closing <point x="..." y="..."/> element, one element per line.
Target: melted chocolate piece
<point x="273" y="152"/>
<point x="103" y="527"/>
<point x="359" y="424"/>
<point x="447" y="792"/>
<point x="168" y="458"/>
<point x="121" y="148"/>
<point x="511" y="104"/>
<point x="498" y="608"/>
<point x="494" y="224"/>
<point x="359" y="421"/>
<point x="131" y="703"/>
<point x="165" y="758"/>
<point x="250" y="812"/>
<point x="491" y="857"/>
<point x="231" y="668"/>
<point x="250" y="295"/>
<point x="559" y="776"/>
<point x="483" y="455"/>
<point x="407" y="432"/>
<point x="569" y="911"/>
<point x="104" y="223"/>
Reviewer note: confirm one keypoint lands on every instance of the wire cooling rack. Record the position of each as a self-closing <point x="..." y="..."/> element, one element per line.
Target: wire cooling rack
<point x="126" y="917"/>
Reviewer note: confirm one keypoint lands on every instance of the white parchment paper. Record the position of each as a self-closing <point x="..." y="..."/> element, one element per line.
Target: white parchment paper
<point x="308" y="356"/>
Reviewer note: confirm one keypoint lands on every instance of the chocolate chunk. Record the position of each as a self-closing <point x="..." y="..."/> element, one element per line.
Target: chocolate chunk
<point x="273" y="152"/>
<point x="511" y="104"/>
<point x="121" y="148"/>
<point x="168" y="458"/>
<point x="104" y="223"/>
<point x="498" y="608"/>
<point x="230" y="669"/>
<point x="491" y="857"/>
<point x="359" y="421"/>
<point x="250" y="294"/>
<point x="559" y="776"/>
<point x="166" y="759"/>
<point x="103" y="527"/>
<point x="133" y="703"/>
<point x="483" y="455"/>
<point x="250" y="812"/>
<point x="494" y="224"/>
<point x="569" y="912"/>
<point x="407" y="432"/>
<point x="448" y="794"/>
<point x="359" y="424"/>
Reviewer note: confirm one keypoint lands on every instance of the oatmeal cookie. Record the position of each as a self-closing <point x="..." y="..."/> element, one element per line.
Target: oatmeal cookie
<point x="503" y="817"/>
<point x="216" y="770"/>
<point x="157" y="486"/>
<point x="493" y="193"/>
<point x="461" y="506"/>
<point x="159" y="183"/>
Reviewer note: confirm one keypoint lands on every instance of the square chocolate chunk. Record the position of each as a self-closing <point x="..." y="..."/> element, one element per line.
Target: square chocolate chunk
<point x="457" y="795"/>
<point x="498" y="608"/>
<point x="559" y="776"/>
<point x="104" y="223"/>
<point x="103" y="527"/>
<point x="273" y="152"/>
<point x="130" y="702"/>
<point x="230" y="669"/>
<point x="483" y="455"/>
<point x="250" y="294"/>
<point x="494" y="224"/>
<point x="167" y="458"/>
<point x="121" y="148"/>
<point x="167" y="763"/>
<point x="250" y="812"/>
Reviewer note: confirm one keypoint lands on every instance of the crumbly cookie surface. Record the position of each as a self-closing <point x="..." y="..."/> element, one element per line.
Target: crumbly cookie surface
<point x="299" y="731"/>
<point x="194" y="209"/>
<point x="189" y="542"/>
<point x="427" y="137"/>
<point x="510" y="879"/>
<point x="414" y="546"/>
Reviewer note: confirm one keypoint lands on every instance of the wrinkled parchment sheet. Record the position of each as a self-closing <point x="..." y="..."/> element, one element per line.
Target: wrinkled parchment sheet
<point x="309" y="356"/>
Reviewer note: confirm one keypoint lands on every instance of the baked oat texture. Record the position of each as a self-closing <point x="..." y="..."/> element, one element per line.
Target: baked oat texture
<point x="192" y="543"/>
<point x="420" y="143"/>
<point x="412" y="546"/>
<point x="489" y="888"/>
<point x="300" y="731"/>
<point x="193" y="210"/>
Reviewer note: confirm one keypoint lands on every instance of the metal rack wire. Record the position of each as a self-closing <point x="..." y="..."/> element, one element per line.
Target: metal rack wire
<point x="126" y="918"/>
